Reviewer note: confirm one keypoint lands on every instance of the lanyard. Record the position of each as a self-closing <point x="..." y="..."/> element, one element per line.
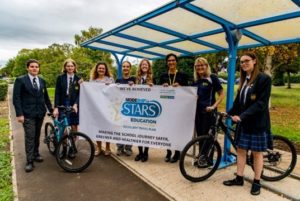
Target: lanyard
<point x="174" y="78"/>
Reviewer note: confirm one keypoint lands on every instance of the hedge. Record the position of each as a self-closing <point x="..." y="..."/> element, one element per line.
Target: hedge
<point x="3" y="90"/>
<point x="295" y="78"/>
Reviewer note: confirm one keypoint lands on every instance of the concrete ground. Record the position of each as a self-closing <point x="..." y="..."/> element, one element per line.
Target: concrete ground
<point x="121" y="178"/>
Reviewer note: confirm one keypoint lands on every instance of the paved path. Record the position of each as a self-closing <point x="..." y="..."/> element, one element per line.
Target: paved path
<point x="105" y="179"/>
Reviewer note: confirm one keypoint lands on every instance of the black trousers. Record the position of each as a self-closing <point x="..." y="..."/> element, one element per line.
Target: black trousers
<point x="32" y="129"/>
<point x="203" y="123"/>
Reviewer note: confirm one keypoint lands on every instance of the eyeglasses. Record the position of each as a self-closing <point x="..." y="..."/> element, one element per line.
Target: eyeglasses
<point x="245" y="61"/>
<point x="170" y="60"/>
<point x="200" y="65"/>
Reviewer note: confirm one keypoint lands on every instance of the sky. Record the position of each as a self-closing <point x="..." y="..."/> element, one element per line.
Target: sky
<point x="40" y="23"/>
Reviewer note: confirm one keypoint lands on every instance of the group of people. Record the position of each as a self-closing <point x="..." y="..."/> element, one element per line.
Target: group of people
<point x="250" y="108"/>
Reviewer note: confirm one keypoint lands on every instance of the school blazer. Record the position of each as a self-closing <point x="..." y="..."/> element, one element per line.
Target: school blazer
<point x="61" y="90"/>
<point x="29" y="102"/>
<point x="254" y="114"/>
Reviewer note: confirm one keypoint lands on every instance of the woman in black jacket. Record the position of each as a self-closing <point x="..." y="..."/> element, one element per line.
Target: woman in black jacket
<point x="173" y="78"/>
<point x="250" y="108"/>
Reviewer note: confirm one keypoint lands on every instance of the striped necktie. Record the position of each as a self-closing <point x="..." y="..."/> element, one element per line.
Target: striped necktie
<point x="34" y="83"/>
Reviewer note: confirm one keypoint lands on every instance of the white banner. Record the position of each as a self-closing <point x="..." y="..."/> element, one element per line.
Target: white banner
<point x="161" y="117"/>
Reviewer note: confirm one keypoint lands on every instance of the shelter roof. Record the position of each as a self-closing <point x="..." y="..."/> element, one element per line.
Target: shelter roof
<point x="189" y="27"/>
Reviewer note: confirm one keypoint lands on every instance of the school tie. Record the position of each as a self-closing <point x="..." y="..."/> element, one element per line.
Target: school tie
<point x="35" y="86"/>
<point x="70" y="86"/>
<point x="243" y="92"/>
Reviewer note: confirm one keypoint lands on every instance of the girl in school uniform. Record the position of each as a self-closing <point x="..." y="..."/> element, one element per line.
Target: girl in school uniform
<point x="250" y="108"/>
<point x="126" y="79"/>
<point x="67" y="92"/>
<point x="144" y="76"/>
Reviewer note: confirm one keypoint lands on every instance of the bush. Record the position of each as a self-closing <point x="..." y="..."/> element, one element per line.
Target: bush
<point x="295" y="78"/>
<point x="3" y="90"/>
<point x="225" y="75"/>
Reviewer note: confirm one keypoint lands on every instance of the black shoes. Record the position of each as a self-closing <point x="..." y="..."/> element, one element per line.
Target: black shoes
<point x="174" y="159"/>
<point x="168" y="156"/>
<point x="234" y="182"/>
<point x="239" y="181"/>
<point x="29" y="167"/>
<point x="71" y="154"/>
<point x="255" y="189"/>
<point x="38" y="159"/>
<point x="141" y="157"/>
<point x="144" y="158"/>
<point x="138" y="157"/>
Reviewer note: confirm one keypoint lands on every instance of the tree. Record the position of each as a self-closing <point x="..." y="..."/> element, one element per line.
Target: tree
<point x="278" y="59"/>
<point x="87" y="58"/>
<point x="8" y="68"/>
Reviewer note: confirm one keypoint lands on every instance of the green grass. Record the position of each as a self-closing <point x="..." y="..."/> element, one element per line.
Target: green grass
<point x="51" y="94"/>
<point x="283" y="97"/>
<point x="6" y="191"/>
<point x="285" y="111"/>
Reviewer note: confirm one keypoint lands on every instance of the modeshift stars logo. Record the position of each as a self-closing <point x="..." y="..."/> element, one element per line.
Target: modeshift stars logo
<point x="135" y="107"/>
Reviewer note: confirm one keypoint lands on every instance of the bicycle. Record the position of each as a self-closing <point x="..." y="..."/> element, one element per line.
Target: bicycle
<point x="201" y="157"/>
<point x="74" y="151"/>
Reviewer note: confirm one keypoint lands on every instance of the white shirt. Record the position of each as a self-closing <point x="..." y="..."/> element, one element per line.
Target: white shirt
<point x="36" y="80"/>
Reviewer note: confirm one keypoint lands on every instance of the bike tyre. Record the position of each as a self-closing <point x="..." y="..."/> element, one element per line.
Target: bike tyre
<point x="71" y="137"/>
<point x="291" y="165"/>
<point x="50" y="138"/>
<point x="212" y="168"/>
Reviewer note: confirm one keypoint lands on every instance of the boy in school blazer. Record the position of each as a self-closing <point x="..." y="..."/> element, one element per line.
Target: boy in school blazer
<point x="30" y="99"/>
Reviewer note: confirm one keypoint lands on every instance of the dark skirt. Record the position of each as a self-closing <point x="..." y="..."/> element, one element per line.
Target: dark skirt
<point x="254" y="141"/>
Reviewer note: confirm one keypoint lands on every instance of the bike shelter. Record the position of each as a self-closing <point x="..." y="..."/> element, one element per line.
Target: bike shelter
<point x="194" y="27"/>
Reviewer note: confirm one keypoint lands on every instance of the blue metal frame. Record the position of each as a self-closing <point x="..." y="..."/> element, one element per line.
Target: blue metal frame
<point x="119" y="64"/>
<point x="227" y="158"/>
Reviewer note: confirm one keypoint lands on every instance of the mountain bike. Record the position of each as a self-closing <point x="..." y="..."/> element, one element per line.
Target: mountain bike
<point x="74" y="151"/>
<point x="201" y="157"/>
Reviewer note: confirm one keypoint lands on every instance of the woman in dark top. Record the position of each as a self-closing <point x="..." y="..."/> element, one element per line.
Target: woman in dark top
<point x="144" y="76"/>
<point x="207" y="86"/>
<point x="67" y="92"/>
<point x="126" y="79"/>
<point x="250" y="108"/>
<point x="173" y="78"/>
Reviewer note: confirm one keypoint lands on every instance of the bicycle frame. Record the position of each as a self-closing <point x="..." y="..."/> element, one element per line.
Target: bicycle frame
<point x="61" y="126"/>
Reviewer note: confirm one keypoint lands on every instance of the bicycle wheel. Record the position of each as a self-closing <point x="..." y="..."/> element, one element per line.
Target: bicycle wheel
<point x="50" y="138"/>
<point x="280" y="161"/>
<point x="200" y="158"/>
<point x="75" y="152"/>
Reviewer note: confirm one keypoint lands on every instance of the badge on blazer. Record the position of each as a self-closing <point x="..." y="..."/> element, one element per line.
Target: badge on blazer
<point x="204" y="84"/>
<point x="76" y="87"/>
<point x="253" y="97"/>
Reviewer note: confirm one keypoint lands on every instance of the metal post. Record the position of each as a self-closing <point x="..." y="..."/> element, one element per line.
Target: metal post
<point x="233" y="38"/>
<point x="119" y="64"/>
